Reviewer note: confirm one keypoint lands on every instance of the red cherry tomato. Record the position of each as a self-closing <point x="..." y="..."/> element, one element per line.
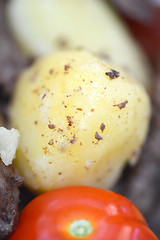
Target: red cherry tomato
<point x="85" y="213"/>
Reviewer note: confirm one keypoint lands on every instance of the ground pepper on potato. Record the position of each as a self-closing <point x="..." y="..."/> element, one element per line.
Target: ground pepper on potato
<point x="82" y="124"/>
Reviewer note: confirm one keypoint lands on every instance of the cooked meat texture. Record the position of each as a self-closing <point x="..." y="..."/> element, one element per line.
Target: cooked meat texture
<point x="9" y="199"/>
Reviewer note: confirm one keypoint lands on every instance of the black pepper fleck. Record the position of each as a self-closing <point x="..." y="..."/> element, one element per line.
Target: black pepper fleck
<point x="112" y="74"/>
<point x="102" y="127"/>
<point x="51" y="126"/>
<point x="72" y="141"/>
<point x="79" y="109"/>
<point x="66" y="67"/>
<point x="121" y="105"/>
<point x="45" y="150"/>
<point x="51" y="71"/>
<point x="70" y="122"/>
<point x="51" y="142"/>
<point x="44" y="95"/>
<point x="60" y="130"/>
<point x="98" y="137"/>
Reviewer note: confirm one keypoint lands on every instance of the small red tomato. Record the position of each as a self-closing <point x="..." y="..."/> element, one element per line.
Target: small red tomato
<point x="79" y="212"/>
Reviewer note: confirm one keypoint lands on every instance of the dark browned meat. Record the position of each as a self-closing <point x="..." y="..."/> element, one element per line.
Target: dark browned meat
<point x="9" y="199"/>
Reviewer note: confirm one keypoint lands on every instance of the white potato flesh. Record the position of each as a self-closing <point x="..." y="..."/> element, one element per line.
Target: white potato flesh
<point x="42" y="27"/>
<point x="79" y="119"/>
<point x="8" y="144"/>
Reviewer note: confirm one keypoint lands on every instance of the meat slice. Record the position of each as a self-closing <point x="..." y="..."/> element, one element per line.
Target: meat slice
<point x="9" y="199"/>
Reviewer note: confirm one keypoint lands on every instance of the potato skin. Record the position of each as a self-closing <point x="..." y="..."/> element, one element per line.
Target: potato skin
<point x="79" y="119"/>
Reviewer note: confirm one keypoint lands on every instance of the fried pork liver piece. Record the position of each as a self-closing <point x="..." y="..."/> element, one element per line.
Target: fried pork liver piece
<point x="9" y="199"/>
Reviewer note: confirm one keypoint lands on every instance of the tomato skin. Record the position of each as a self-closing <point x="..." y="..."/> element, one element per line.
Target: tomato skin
<point x="112" y="216"/>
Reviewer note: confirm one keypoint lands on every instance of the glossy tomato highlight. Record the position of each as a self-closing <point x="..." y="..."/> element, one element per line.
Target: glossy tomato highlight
<point x="79" y="212"/>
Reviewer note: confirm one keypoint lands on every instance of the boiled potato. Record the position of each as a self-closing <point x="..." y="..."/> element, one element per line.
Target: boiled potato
<point x="42" y="27"/>
<point x="79" y="119"/>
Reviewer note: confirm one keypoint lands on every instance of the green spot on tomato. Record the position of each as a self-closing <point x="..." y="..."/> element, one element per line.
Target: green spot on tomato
<point x="80" y="228"/>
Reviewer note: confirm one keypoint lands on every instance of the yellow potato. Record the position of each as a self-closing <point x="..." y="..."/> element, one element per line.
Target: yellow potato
<point x="42" y="27"/>
<point x="79" y="119"/>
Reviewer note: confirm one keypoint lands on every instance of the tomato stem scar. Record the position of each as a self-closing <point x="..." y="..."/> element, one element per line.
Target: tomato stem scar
<point x="80" y="228"/>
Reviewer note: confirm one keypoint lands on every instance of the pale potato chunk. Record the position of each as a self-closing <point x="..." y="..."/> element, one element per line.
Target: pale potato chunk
<point x="44" y="26"/>
<point x="79" y="119"/>
<point x="8" y="144"/>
